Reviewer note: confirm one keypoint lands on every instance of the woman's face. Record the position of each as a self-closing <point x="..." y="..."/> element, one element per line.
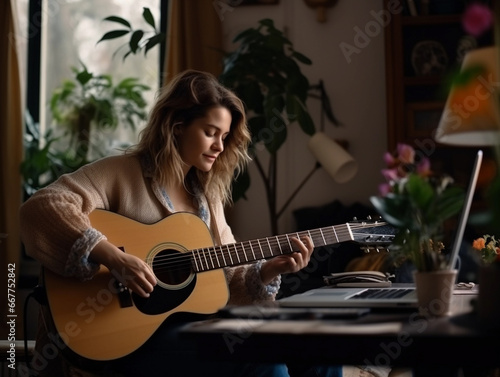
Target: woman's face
<point x="201" y="142"/>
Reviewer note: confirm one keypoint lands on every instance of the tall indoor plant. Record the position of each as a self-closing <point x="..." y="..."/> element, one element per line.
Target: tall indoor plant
<point x="265" y="72"/>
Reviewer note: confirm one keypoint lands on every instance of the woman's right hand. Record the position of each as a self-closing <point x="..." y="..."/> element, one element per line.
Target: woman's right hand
<point x="131" y="271"/>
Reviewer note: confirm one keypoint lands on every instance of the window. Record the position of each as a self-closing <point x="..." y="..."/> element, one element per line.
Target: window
<point x="62" y="34"/>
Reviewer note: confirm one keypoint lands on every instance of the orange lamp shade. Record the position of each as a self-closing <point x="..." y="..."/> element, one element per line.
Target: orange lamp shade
<point x="471" y="114"/>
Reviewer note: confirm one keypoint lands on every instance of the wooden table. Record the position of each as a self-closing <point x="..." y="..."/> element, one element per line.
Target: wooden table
<point x="396" y="338"/>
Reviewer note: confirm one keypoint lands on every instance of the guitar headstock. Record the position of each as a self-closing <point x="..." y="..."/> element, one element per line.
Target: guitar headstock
<point x="372" y="234"/>
<point x="368" y="222"/>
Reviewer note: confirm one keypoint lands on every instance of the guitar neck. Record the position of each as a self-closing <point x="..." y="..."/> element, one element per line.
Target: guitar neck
<point x="216" y="257"/>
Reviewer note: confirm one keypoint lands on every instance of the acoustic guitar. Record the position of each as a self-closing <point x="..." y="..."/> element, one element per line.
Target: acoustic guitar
<point x="100" y="319"/>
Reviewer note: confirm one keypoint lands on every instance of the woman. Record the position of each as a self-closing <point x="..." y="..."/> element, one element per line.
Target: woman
<point x="194" y="142"/>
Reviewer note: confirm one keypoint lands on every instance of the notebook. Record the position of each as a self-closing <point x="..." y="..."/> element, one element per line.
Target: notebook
<point x="390" y="297"/>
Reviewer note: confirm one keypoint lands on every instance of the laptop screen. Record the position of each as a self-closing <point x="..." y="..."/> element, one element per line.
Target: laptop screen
<point x="464" y="216"/>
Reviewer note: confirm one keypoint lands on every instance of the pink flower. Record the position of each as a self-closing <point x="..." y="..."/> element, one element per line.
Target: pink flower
<point x="424" y="167"/>
<point x="390" y="174"/>
<point x="477" y="19"/>
<point x="406" y="153"/>
<point x="389" y="160"/>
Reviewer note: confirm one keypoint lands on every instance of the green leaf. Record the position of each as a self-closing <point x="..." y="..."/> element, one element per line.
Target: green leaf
<point x="298" y="85"/>
<point x="127" y="54"/>
<point x="296" y="111"/>
<point x="394" y="209"/>
<point x="148" y="16"/>
<point x="449" y="204"/>
<point x="302" y="58"/>
<point x="326" y="105"/>
<point x="275" y="133"/>
<point x="135" y="39"/>
<point x="250" y="93"/>
<point x="274" y="104"/>
<point x="275" y="43"/>
<point x="127" y="82"/>
<point x="84" y="77"/>
<point x="240" y="186"/>
<point x="419" y="190"/>
<point x="153" y="41"/>
<point x="267" y="22"/>
<point x="118" y="20"/>
<point x="305" y="121"/>
<point x="257" y="125"/>
<point x="113" y="34"/>
<point x="246" y="36"/>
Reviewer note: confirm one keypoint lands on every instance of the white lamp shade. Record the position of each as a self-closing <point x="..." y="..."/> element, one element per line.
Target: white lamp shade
<point x="339" y="164"/>
<point x="471" y="113"/>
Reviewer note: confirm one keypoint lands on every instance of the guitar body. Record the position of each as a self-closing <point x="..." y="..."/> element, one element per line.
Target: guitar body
<point x="100" y="319"/>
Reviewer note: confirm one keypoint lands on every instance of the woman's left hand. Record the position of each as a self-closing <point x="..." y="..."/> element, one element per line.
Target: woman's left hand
<point x="283" y="264"/>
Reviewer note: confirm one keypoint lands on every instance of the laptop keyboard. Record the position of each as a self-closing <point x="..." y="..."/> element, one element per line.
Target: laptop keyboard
<point x="382" y="293"/>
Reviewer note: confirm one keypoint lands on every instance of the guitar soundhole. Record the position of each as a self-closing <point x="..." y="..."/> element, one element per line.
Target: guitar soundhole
<point x="171" y="267"/>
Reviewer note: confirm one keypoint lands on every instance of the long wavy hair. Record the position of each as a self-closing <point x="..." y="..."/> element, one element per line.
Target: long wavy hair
<point x="187" y="97"/>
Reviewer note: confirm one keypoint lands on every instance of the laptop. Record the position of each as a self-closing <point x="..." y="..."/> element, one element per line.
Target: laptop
<point x="403" y="296"/>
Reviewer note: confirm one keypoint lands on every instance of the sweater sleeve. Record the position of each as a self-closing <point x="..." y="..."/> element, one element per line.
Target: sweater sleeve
<point x="245" y="283"/>
<point x="246" y="287"/>
<point x="55" y="228"/>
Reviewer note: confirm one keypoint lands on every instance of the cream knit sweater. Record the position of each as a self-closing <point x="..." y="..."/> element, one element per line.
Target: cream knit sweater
<point x="56" y="231"/>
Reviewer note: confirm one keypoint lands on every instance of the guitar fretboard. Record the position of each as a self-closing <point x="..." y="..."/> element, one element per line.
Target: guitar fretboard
<point x="216" y="257"/>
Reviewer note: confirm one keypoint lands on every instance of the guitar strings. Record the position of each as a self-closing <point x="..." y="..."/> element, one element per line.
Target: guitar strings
<point x="214" y="257"/>
<point x="259" y="248"/>
<point x="240" y="253"/>
<point x="238" y="249"/>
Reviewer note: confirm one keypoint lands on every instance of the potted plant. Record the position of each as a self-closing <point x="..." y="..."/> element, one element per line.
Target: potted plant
<point x="417" y="203"/>
<point x="488" y="304"/>
<point x="94" y="100"/>
<point x="265" y="73"/>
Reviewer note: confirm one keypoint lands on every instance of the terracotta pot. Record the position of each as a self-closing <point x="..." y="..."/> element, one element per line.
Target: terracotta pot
<point x="434" y="291"/>
<point x="488" y="304"/>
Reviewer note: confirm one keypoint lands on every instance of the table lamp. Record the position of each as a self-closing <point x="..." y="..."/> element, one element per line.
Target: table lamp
<point x="337" y="162"/>
<point x="471" y="114"/>
<point x="329" y="155"/>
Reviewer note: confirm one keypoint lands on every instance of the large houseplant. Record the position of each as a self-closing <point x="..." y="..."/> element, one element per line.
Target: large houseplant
<point x="77" y="105"/>
<point x="89" y="100"/>
<point x="265" y="72"/>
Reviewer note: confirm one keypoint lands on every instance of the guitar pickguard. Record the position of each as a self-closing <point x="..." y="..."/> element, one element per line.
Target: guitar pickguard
<point x="162" y="299"/>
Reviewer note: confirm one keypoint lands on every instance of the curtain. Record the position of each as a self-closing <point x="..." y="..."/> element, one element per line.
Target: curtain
<point x="11" y="151"/>
<point x="194" y="38"/>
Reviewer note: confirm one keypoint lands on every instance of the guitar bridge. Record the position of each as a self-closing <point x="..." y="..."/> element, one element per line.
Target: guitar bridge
<point x="123" y="294"/>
